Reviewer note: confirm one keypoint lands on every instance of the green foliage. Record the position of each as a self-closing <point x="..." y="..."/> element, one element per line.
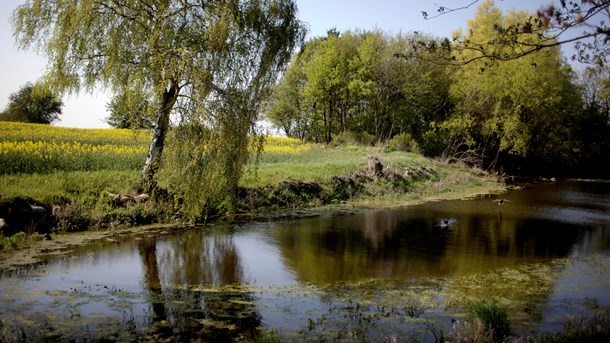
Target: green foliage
<point x="512" y="109"/>
<point x="354" y="138"/>
<point x="493" y="317"/>
<point x="32" y="104"/>
<point x="352" y="81"/>
<point x="130" y="111"/>
<point x="554" y="24"/>
<point x="209" y="63"/>
<point x="591" y="129"/>
<point x="213" y="156"/>
<point x="403" y="142"/>
<point x="286" y="106"/>
<point x="510" y="115"/>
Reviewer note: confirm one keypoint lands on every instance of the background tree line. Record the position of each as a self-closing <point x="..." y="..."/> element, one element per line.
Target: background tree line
<point x="527" y="115"/>
<point x="352" y="82"/>
<point x="32" y="104"/>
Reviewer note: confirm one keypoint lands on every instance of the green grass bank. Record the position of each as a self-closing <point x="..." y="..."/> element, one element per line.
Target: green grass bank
<point x="56" y="191"/>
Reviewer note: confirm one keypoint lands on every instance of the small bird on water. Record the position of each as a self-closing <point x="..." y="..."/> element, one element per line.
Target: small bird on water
<point x="446" y="222"/>
<point x="500" y="201"/>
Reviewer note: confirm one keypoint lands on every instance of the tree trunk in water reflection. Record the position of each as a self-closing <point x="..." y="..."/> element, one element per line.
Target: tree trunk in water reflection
<point x="148" y="252"/>
<point x="204" y="287"/>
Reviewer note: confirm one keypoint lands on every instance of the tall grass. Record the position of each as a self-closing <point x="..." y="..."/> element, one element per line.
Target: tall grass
<point x="493" y="318"/>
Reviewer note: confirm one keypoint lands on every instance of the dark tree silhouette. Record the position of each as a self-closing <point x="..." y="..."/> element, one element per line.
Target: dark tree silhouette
<point x="32" y="104"/>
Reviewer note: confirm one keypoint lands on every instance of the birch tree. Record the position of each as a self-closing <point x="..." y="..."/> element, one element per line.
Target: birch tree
<point x="182" y="54"/>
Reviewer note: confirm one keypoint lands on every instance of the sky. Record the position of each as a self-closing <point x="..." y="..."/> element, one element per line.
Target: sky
<point x="88" y="110"/>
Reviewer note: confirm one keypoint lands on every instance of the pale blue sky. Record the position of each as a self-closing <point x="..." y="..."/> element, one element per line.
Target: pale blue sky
<point x="89" y="110"/>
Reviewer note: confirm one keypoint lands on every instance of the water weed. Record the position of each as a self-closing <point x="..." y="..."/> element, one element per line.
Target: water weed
<point x="13" y="242"/>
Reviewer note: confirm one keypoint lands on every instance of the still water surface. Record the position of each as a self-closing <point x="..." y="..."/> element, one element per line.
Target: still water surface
<point x="544" y="255"/>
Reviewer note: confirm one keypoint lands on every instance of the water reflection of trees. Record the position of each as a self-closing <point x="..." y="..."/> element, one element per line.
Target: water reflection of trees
<point x="492" y="256"/>
<point x="194" y="284"/>
<point x="358" y="247"/>
<point x="392" y="244"/>
<point x="199" y="258"/>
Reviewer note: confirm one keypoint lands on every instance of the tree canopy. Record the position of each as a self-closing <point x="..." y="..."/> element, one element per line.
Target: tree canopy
<point x="585" y="23"/>
<point x="517" y="107"/>
<point x="195" y="60"/>
<point x="130" y="111"/>
<point x="351" y="82"/>
<point x="32" y="104"/>
<point x="515" y="113"/>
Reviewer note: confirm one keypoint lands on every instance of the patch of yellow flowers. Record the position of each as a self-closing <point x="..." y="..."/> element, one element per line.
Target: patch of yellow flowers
<point x="35" y="148"/>
<point x="285" y="145"/>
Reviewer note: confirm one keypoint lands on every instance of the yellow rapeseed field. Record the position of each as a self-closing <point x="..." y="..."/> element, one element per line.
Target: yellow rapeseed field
<point x="35" y="148"/>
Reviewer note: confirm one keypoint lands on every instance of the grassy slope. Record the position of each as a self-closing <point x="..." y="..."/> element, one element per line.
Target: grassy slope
<point x="320" y="164"/>
<point x="317" y="164"/>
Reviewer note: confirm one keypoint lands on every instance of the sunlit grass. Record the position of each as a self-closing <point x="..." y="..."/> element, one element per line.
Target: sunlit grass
<point x="45" y="162"/>
<point x="49" y="188"/>
<point x="319" y="163"/>
<point x="314" y="164"/>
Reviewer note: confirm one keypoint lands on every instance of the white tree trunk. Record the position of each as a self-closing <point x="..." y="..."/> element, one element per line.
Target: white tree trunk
<point x="155" y="149"/>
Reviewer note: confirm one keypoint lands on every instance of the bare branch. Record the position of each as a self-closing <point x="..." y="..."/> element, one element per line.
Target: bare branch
<point x="442" y="10"/>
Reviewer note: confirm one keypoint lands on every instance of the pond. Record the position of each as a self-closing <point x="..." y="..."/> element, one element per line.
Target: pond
<point x="404" y="273"/>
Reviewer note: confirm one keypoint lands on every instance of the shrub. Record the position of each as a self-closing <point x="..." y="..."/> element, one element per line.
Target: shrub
<point x="13" y="242"/>
<point x="32" y="104"/>
<point x="402" y="142"/>
<point x="354" y="138"/>
<point x="595" y="329"/>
